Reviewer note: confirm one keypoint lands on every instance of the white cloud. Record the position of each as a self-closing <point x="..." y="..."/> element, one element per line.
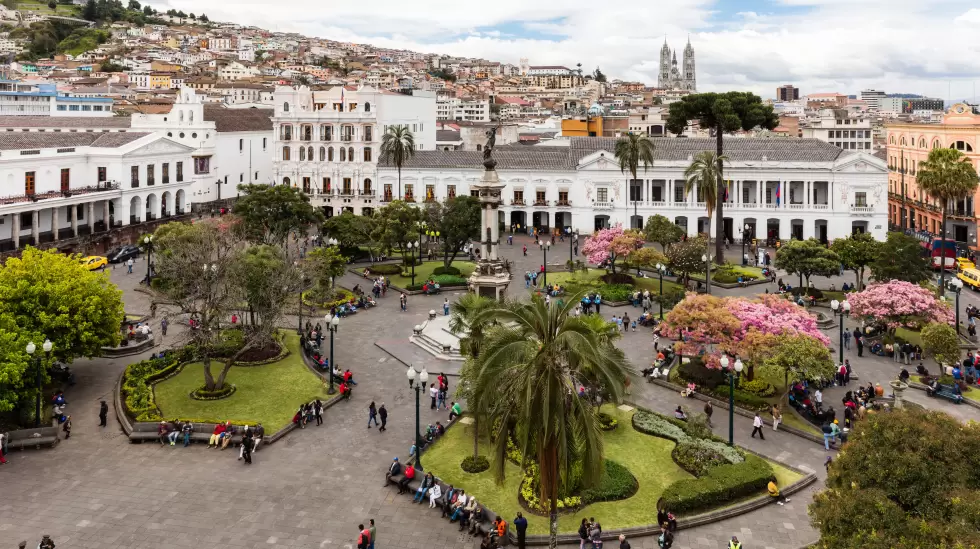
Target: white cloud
<point x="819" y="45"/>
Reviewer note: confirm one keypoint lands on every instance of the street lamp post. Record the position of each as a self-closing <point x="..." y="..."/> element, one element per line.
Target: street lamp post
<point x="47" y="346"/>
<point x="545" y="244"/>
<point x="836" y="307"/>
<point x="422" y="227"/>
<point x="333" y="324"/>
<point x="745" y="236"/>
<point x="148" y="241"/>
<point x="958" y="285"/>
<point x="412" y="257"/>
<point x="660" y="269"/>
<point x="423" y="377"/>
<point x="731" y="395"/>
<point x="571" y="236"/>
<point x="707" y="273"/>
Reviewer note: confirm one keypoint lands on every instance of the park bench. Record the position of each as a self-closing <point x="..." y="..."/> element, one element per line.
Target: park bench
<point x="949" y="392"/>
<point x="484" y="526"/>
<point x="144" y="431"/>
<point x="24" y="438"/>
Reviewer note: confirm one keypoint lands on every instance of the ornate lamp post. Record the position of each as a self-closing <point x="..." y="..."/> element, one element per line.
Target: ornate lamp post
<point x="957" y="284"/>
<point x="544" y="243"/>
<point x="412" y="257"/>
<point x="333" y="324"/>
<point x="47" y="346"/>
<point x="707" y="273"/>
<point x="836" y="307"/>
<point x="423" y="377"/>
<point x="572" y="238"/>
<point x="745" y="236"/>
<point x="731" y="394"/>
<point x="148" y="242"/>
<point x="422" y="226"/>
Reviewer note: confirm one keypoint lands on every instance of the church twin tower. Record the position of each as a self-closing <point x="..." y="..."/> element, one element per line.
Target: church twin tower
<point x="673" y="78"/>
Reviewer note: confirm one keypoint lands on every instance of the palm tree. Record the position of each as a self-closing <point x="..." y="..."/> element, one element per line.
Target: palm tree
<point x="467" y="322"/>
<point x="631" y="151"/>
<point x="703" y="174"/>
<point x="397" y="146"/>
<point x="532" y="362"/>
<point x="946" y="176"/>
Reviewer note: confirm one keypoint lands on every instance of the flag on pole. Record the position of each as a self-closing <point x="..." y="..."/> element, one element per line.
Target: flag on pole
<point x="727" y="184"/>
<point x="777" y="195"/>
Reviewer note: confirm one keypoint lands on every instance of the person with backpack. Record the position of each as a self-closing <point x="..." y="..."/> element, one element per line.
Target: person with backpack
<point x="828" y="435"/>
<point x="583" y="533"/>
<point x="666" y="538"/>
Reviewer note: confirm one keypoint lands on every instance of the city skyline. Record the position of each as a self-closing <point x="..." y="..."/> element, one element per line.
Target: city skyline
<point x="753" y="45"/>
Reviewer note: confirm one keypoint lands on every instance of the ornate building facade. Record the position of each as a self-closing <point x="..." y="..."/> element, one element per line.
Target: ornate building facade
<point x="673" y="77"/>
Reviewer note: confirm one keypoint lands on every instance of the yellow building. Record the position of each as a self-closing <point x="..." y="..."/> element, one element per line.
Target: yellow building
<point x="171" y="42"/>
<point x="159" y="81"/>
<point x="582" y="127"/>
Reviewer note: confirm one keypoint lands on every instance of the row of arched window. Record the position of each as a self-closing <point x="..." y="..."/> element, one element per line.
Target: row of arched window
<point x="327" y="154"/>
<point x="958" y="145"/>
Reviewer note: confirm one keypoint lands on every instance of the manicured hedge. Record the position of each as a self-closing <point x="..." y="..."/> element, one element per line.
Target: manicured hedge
<point x="340" y="297"/>
<point x="617" y="482"/>
<point x="758" y="387"/>
<point x="719" y="485"/>
<point x="447" y="281"/>
<point x="476" y="464"/>
<point x="388" y="269"/>
<point x="606" y="421"/>
<point x="443" y="270"/>
<point x="137" y="391"/>
<point x="695" y="370"/>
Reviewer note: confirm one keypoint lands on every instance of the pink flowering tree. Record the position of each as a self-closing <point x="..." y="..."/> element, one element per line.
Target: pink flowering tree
<point x="900" y="304"/>
<point x="612" y="244"/>
<point x="771" y="315"/>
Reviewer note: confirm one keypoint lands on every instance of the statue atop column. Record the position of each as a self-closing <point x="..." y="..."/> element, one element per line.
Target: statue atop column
<point x="488" y="162"/>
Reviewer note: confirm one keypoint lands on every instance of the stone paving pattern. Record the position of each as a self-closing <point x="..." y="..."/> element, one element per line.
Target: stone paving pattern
<point x="311" y="489"/>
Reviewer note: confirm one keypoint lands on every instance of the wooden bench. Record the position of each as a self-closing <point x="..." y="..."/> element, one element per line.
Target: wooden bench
<point x="949" y="392"/>
<point x="24" y="438"/>
<point x="484" y="526"/>
<point x="144" y="431"/>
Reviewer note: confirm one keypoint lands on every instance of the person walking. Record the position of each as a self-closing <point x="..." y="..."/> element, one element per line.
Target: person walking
<point x="163" y="326"/>
<point x="383" y="414"/>
<point x="520" y="523"/>
<point x="372" y="414"/>
<point x="445" y="307"/>
<point x="434" y="395"/>
<point x="374" y="532"/>
<point x="859" y="341"/>
<point x="318" y="412"/>
<point x="525" y="250"/>
<point x="777" y="417"/>
<point x="708" y="410"/>
<point x="66" y="427"/>
<point x="757" y="427"/>
<point x="734" y="543"/>
<point x="403" y="300"/>
<point x="103" y="413"/>
<point x="247" y="445"/>
<point x="847" y="339"/>
<point x="129" y="266"/>
<point x="363" y="537"/>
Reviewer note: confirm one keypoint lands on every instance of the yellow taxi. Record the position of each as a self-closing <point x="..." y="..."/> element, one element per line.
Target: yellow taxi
<point x="970" y="278"/>
<point x="94" y="262"/>
<point x="963" y="264"/>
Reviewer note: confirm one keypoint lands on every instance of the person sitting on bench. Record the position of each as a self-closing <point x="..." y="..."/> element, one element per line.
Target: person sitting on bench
<point x="394" y="469"/>
<point x="407" y="477"/>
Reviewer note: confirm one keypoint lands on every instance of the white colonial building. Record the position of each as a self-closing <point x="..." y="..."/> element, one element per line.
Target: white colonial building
<point x="779" y="188"/>
<point x="328" y="142"/>
<point x="62" y="185"/>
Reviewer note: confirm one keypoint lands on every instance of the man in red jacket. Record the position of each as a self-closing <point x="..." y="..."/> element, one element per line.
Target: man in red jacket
<point x="363" y="538"/>
<point x="407" y="477"/>
<point x="215" y="439"/>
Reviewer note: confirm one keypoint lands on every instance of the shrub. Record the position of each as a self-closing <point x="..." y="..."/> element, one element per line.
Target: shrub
<point x="388" y="269"/>
<point x="617" y="278"/>
<point x="616" y="292"/>
<point x="658" y="426"/>
<point x="694" y="370"/>
<point x="720" y="484"/>
<point x="617" y="482"/>
<point x="450" y="270"/>
<point x="338" y="297"/>
<point x="411" y="260"/>
<point x="814" y="292"/>
<point x="530" y="490"/>
<point x="758" y="387"/>
<point x="607" y="422"/>
<point x="696" y="458"/>
<point x="744" y="399"/>
<point x="476" y="464"/>
<point x="442" y="280"/>
<point x="137" y="393"/>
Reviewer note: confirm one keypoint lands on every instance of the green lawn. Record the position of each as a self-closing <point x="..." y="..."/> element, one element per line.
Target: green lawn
<point x="424" y="271"/>
<point x="647" y="457"/>
<point x="270" y="393"/>
<point x="911" y="336"/>
<point x="61" y="9"/>
<point x="582" y="280"/>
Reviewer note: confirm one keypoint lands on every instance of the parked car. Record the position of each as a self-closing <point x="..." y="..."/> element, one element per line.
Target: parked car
<point x="94" y="262"/>
<point x="122" y="253"/>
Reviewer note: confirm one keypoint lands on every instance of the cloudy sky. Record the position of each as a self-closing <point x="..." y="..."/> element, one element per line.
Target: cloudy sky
<point x="912" y="46"/>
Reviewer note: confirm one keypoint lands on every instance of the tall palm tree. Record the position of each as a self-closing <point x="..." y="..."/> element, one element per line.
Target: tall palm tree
<point x="703" y="174"/>
<point x="631" y="151"/>
<point x="467" y="322"/>
<point x="946" y="176"/>
<point x="532" y="362"/>
<point x="397" y="146"/>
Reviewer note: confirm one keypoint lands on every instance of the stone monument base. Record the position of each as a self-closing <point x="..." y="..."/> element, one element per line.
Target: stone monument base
<point x="490" y="279"/>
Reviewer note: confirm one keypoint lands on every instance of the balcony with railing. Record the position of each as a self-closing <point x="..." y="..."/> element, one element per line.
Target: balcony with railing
<point x="603" y="205"/>
<point x="73" y="191"/>
<point x="862" y="209"/>
<point x="517" y="202"/>
<point x="541" y="203"/>
<point x="564" y="203"/>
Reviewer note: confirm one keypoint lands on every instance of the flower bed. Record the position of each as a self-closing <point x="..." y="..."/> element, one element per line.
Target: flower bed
<point x="340" y="297"/>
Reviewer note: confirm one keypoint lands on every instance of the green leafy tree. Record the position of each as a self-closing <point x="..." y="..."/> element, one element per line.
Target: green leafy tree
<point x="458" y="221"/>
<point x="598" y="75"/>
<point x="468" y="322"/>
<point x="663" y="231"/>
<point x="536" y="357"/>
<point x="632" y="151"/>
<point x="947" y="176"/>
<point x="351" y="231"/>
<point x="323" y="265"/>
<point x="91" y="12"/>
<point x="940" y="341"/>
<point x="647" y="258"/>
<point x="396" y="226"/>
<point x="796" y="356"/>
<point x="203" y="18"/>
<point x="148" y="10"/>
<point x="269" y="214"/>
<point x="134" y="5"/>
<point x="261" y="272"/>
<point x="50" y="295"/>
<point x="857" y="252"/>
<point x="684" y="258"/>
<point x="110" y="66"/>
<point x="397" y="147"/>
<point x="884" y="493"/>
<point x="702" y="175"/>
<point x="722" y="113"/>
<point x="52" y="5"/>
<point x="807" y="258"/>
<point x="901" y="257"/>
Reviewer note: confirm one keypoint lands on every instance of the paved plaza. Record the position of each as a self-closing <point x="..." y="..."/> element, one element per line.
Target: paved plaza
<point x="312" y="488"/>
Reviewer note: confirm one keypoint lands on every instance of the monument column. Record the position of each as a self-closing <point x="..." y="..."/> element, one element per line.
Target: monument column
<point x="491" y="276"/>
